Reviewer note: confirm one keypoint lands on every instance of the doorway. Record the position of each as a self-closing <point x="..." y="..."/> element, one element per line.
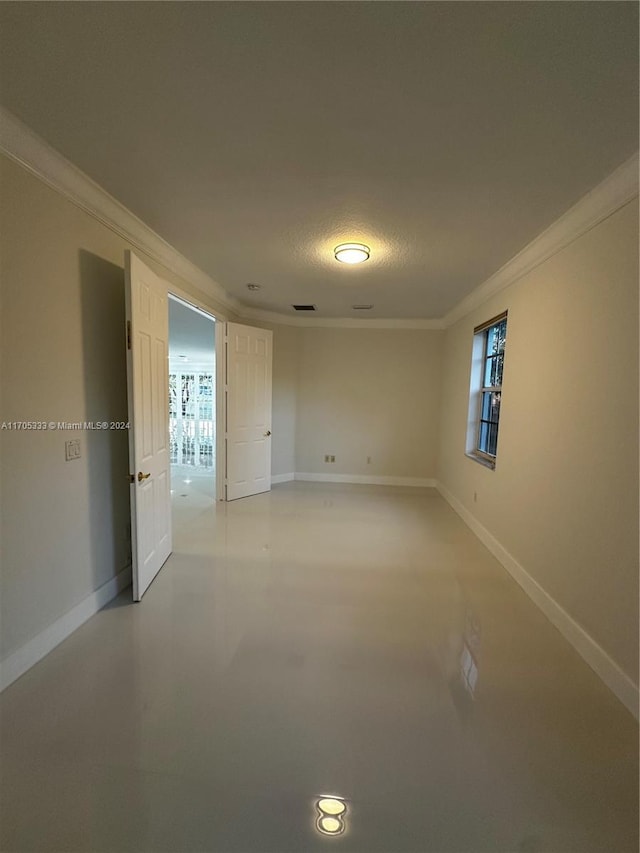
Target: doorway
<point x="192" y="411"/>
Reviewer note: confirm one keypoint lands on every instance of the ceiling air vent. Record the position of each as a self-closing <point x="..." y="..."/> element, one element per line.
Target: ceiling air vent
<point x="304" y="307"/>
<point x="362" y="307"/>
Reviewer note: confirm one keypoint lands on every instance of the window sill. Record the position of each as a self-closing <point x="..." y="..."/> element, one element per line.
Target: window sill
<point x="488" y="463"/>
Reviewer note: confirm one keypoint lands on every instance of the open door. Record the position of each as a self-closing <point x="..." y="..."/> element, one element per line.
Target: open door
<point x="248" y="433"/>
<point x="148" y="394"/>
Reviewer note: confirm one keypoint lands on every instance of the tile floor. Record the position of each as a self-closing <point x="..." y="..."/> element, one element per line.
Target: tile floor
<point x="354" y="641"/>
<point x="193" y="490"/>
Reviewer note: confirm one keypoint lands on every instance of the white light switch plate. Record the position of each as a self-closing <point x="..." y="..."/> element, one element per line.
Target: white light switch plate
<point x="72" y="449"/>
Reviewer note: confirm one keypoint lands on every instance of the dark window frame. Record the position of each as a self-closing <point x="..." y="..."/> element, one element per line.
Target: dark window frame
<point x="490" y="395"/>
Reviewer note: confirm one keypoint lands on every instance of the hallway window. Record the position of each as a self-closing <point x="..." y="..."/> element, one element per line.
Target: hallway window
<point x="192" y="419"/>
<point x="486" y="389"/>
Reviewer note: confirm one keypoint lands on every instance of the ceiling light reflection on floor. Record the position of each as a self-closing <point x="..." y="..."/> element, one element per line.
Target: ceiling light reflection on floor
<point x="331" y="814"/>
<point x="330" y="825"/>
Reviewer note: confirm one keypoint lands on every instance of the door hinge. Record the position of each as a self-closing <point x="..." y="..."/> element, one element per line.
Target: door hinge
<point x="128" y="334"/>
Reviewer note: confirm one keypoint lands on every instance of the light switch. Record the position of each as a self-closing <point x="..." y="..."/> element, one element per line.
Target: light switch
<point x="72" y="449"/>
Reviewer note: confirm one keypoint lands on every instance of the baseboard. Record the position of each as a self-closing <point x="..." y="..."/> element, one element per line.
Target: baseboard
<point x="282" y="478"/>
<point x="602" y="664"/>
<point x="26" y="656"/>
<point x="366" y="479"/>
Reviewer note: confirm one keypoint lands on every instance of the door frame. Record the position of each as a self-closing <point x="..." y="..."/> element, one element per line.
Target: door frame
<point x="174" y="292"/>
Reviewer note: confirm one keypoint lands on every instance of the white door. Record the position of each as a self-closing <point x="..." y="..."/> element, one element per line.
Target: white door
<point x="248" y="434"/>
<point x="148" y="392"/>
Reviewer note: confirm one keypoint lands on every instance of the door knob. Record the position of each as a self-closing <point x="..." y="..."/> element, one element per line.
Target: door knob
<point x="142" y="476"/>
<point x="267" y="433"/>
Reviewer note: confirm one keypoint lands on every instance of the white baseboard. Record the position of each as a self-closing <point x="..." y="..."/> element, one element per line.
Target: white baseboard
<point x="282" y="478"/>
<point x="602" y="664"/>
<point x="366" y="479"/>
<point x="16" y="664"/>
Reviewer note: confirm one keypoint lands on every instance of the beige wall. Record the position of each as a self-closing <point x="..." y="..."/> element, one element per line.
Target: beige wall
<point x="64" y="524"/>
<point x="351" y="393"/>
<point x="563" y="499"/>
<point x="285" y="389"/>
<point x="368" y="392"/>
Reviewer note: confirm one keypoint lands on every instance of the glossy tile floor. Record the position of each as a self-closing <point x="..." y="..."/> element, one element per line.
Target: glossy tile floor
<point x="193" y="490"/>
<point x="347" y="640"/>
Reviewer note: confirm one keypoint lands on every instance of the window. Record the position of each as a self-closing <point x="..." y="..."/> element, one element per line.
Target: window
<point x="486" y="389"/>
<point x="192" y="418"/>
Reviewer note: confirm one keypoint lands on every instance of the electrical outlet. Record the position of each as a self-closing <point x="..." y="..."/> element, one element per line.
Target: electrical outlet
<point x="329" y="458"/>
<point x="333" y="458"/>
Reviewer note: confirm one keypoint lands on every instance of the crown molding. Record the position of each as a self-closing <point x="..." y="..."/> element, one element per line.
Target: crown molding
<point x="617" y="190"/>
<point x="602" y="201"/>
<point x="338" y="322"/>
<point x="25" y="147"/>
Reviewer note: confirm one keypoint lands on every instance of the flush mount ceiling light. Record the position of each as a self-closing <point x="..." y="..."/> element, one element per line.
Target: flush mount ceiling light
<point x="351" y="253"/>
<point x="253" y="286"/>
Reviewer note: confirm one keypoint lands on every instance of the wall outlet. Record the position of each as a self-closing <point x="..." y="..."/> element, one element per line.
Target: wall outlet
<point x="72" y="449"/>
<point x="329" y="458"/>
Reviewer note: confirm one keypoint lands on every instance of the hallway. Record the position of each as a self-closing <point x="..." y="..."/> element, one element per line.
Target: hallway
<point x="193" y="491"/>
<point x="319" y="639"/>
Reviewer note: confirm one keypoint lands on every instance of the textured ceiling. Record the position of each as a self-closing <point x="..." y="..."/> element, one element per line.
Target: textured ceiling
<point x="256" y="136"/>
<point x="191" y="334"/>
